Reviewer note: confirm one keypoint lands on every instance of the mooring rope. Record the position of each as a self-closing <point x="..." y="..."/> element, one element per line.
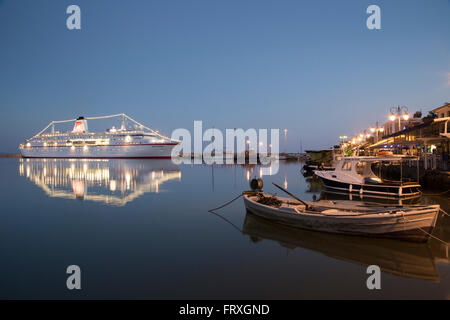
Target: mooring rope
<point x="226" y="220"/>
<point x="443" y="211"/>
<point x="224" y="205"/>
<point x="429" y="234"/>
<point x="435" y="194"/>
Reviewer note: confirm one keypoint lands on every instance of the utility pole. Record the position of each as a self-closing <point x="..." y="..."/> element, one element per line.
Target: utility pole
<point x="285" y="140"/>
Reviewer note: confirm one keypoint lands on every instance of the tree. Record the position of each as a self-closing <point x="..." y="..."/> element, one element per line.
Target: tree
<point x="430" y="116"/>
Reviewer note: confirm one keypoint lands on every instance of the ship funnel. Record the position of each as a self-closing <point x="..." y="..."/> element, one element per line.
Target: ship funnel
<point x="80" y="125"/>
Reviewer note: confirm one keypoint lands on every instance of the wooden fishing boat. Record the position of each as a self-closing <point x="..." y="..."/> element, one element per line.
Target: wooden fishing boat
<point x="411" y="223"/>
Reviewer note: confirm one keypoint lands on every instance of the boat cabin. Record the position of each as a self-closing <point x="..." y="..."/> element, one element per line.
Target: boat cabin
<point x="354" y="174"/>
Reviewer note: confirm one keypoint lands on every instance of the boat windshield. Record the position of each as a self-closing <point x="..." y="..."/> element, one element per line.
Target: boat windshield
<point x="364" y="169"/>
<point x="347" y="166"/>
<point x="361" y="167"/>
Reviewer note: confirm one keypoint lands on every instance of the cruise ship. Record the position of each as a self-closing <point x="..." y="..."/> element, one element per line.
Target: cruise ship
<point x="131" y="140"/>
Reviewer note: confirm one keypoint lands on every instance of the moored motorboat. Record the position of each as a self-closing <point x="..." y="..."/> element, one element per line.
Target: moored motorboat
<point x="322" y="159"/>
<point x="411" y="223"/>
<point x="355" y="175"/>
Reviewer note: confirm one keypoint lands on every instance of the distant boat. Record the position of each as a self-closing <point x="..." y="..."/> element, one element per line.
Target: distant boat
<point x="136" y="142"/>
<point x="355" y="175"/>
<point x="322" y="159"/>
<point x="411" y="223"/>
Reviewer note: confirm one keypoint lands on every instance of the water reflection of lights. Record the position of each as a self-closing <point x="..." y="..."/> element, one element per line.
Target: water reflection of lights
<point x="113" y="182"/>
<point x="112" y="185"/>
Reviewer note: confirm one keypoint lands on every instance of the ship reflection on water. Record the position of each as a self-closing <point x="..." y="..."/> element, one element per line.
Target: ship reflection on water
<point x="111" y="182"/>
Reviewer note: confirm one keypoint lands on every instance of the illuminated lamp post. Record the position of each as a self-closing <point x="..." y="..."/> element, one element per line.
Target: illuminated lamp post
<point x="399" y="113"/>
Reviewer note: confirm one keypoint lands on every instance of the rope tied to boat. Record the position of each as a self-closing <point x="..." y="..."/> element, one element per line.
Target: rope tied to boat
<point x="427" y="233"/>
<point x="435" y="194"/>
<point x="225" y="204"/>
<point x="444" y="212"/>
<point x="225" y="219"/>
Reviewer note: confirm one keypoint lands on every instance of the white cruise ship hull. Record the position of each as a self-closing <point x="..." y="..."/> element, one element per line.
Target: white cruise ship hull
<point x="156" y="151"/>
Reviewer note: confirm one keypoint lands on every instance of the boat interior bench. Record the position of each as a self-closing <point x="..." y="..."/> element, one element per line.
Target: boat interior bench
<point x="388" y="182"/>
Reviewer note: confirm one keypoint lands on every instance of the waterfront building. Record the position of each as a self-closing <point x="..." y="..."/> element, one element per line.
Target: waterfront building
<point x="427" y="138"/>
<point x="443" y="111"/>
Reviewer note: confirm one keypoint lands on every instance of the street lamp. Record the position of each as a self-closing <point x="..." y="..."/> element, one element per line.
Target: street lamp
<point x="343" y="139"/>
<point x="399" y="113"/>
<point x="260" y="147"/>
<point x="392" y="117"/>
<point x="375" y="130"/>
<point x="379" y="130"/>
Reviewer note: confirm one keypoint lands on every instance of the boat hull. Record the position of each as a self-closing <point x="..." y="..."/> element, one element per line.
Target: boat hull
<point x="312" y="167"/>
<point x="372" y="189"/>
<point x="157" y="151"/>
<point x="412" y="225"/>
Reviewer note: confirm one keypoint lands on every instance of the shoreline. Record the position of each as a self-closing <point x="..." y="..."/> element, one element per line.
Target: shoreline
<point x="10" y="155"/>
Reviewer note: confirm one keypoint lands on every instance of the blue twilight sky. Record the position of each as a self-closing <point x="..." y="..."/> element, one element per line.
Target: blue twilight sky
<point x="309" y="66"/>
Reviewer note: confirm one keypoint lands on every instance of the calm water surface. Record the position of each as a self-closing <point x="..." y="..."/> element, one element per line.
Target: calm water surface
<point x="141" y="229"/>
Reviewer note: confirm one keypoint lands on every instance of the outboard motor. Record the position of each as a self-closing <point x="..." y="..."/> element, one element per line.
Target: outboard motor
<point x="256" y="184"/>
